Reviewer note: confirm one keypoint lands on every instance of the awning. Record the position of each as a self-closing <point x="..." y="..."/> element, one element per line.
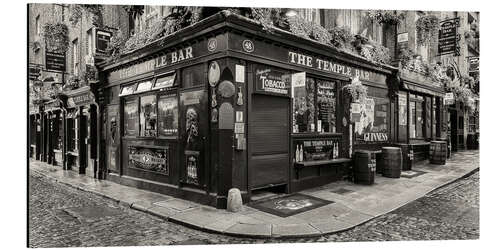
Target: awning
<point x="429" y="90"/>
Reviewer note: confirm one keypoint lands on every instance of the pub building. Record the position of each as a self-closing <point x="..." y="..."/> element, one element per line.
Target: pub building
<point x="52" y="131"/>
<point x="223" y="104"/>
<point x="35" y="131"/>
<point x="420" y="116"/>
<point x="81" y="123"/>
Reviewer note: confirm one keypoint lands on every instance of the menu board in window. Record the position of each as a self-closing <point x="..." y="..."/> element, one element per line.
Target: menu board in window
<point x="168" y="115"/>
<point x="130" y="115"/>
<point x="326" y="106"/>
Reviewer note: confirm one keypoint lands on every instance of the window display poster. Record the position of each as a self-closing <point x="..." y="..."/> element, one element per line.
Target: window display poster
<point x="402" y="110"/>
<point x="168" y="115"/>
<point x="372" y="125"/>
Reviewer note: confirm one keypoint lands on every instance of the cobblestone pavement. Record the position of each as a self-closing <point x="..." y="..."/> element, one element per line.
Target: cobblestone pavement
<point x="61" y="216"/>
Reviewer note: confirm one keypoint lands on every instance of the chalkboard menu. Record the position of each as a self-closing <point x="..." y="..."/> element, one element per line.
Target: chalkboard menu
<point x="326" y="106"/>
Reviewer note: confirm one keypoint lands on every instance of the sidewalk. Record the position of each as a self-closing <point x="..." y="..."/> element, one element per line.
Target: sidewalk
<point x="352" y="204"/>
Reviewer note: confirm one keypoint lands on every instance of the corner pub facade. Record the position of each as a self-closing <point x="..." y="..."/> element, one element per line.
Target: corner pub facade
<point x="223" y="104"/>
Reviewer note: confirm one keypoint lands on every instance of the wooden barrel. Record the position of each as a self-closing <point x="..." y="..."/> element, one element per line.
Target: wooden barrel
<point x="364" y="169"/>
<point x="379" y="163"/>
<point x="392" y="162"/>
<point x="437" y="152"/>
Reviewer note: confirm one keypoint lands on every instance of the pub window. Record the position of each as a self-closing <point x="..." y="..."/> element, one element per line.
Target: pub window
<point x="416" y="117"/>
<point x="147" y="116"/>
<point x="402" y="116"/>
<point x="60" y="132"/>
<point x="326" y="106"/>
<point x="127" y="90"/>
<point x="304" y="107"/>
<point x="168" y="115"/>
<point x="72" y="131"/>
<point x="130" y="113"/>
<point x="143" y="86"/>
<point x="193" y="76"/>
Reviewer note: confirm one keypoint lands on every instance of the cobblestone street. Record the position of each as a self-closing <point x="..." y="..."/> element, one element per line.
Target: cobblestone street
<point x="61" y="216"/>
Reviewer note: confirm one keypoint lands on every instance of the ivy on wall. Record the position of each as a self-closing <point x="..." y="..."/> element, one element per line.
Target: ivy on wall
<point x="427" y="27"/>
<point x="56" y="37"/>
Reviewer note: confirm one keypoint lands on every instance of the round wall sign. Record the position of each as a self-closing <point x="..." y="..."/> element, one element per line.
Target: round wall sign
<point x="248" y="46"/>
<point x="213" y="73"/>
<point x="212" y="44"/>
<point x="226" y="89"/>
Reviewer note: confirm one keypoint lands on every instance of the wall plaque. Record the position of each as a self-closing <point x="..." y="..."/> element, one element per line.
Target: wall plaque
<point x="213" y="73"/>
<point x="226" y="116"/>
<point x="226" y="89"/>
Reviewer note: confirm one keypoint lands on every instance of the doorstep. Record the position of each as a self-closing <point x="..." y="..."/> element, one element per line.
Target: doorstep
<point x="351" y="204"/>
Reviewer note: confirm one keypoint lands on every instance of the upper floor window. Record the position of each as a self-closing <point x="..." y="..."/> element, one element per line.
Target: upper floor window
<point x="90" y="39"/>
<point x="75" y="56"/>
<point x="38" y="28"/>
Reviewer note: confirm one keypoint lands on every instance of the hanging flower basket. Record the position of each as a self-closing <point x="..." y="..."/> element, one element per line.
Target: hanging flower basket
<point x="391" y="17"/>
<point x="356" y="90"/>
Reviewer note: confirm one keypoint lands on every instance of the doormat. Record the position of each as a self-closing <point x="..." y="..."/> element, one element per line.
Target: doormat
<point x="412" y="173"/>
<point x="289" y="205"/>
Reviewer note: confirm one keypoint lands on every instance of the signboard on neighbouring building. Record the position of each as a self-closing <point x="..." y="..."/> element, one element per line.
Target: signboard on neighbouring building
<point x="34" y="72"/>
<point x="473" y="64"/>
<point x="448" y="37"/>
<point x="102" y="41"/>
<point x="449" y="99"/>
<point x="55" y="61"/>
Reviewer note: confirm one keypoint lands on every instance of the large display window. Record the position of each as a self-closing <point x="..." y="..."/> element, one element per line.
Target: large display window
<point x="314" y="106"/>
<point x="168" y="115"/>
<point x="417" y="119"/>
<point x="130" y="117"/>
<point x="147" y="116"/>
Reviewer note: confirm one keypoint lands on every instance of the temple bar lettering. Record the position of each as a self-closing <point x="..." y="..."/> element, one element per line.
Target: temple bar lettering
<point x="326" y="65"/>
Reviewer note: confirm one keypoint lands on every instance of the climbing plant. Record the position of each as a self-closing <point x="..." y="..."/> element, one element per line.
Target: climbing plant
<point x="427" y="27"/>
<point x="56" y="37"/>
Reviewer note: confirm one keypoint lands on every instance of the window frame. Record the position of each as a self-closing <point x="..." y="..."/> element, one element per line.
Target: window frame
<point x="76" y="57"/>
<point x="316" y="78"/>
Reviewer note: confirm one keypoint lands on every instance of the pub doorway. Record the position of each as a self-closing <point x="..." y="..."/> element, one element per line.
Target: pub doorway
<point x="269" y="143"/>
<point x="453" y="129"/>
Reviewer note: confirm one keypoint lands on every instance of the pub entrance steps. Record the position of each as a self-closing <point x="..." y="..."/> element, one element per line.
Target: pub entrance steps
<point x="268" y="193"/>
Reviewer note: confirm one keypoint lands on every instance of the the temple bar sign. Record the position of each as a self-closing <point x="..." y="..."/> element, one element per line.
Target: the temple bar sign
<point x="150" y="65"/>
<point x="328" y="66"/>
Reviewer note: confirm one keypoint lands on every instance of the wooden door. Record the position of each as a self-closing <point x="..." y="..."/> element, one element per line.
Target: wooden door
<point x="268" y="141"/>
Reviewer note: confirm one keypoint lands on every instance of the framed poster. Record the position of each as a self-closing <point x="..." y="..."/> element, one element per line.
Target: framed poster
<point x="150" y="159"/>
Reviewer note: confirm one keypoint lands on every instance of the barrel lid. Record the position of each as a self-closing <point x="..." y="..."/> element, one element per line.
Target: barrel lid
<point x="390" y="148"/>
<point x="438" y="142"/>
<point x="362" y="151"/>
